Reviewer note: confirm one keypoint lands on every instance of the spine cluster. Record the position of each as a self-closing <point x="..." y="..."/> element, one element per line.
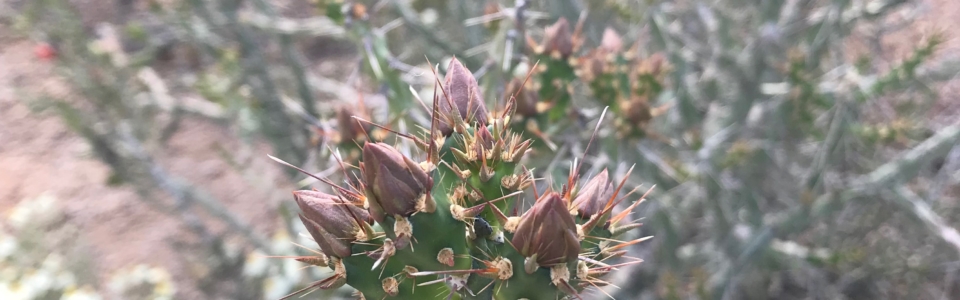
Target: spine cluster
<point x="451" y="223"/>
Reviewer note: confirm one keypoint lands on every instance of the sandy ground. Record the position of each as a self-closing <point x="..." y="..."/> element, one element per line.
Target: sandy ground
<point x="38" y="154"/>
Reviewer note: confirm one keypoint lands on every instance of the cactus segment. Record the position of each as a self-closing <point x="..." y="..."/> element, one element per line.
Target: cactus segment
<point x="445" y="227"/>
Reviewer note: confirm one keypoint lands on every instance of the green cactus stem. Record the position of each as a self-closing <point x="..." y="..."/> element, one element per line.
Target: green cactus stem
<point x="440" y="228"/>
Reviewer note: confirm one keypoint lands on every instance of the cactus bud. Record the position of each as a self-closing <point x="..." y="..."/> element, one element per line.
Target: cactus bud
<point x="547" y="232"/>
<point x="351" y="129"/>
<point x="637" y="109"/>
<point x="611" y="41"/>
<point x="333" y="222"/>
<point x="653" y="65"/>
<point x="526" y="99"/>
<point x="329" y="244"/>
<point x="593" y="196"/>
<point x="464" y="93"/>
<point x="557" y="39"/>
<point x="395" y="184"/>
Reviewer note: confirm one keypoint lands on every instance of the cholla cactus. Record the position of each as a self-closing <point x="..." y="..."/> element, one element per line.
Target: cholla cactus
<point x="624" y="81"/>
<point x="442" y="226"/>
<point x="554" y="71"/>
<point x="618" y="77"/>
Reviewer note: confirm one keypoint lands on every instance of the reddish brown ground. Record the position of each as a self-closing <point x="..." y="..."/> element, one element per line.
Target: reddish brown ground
<point x="38" y="153"/>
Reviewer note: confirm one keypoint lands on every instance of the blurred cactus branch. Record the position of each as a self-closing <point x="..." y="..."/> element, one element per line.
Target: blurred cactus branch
<point x="276" y="125"/>
<point x="116" y="122"/>
<point x="411" y="20"/>
<point x="294" y="60"/>
<point x="513" y="48"/>
<point x="913" y="204"/>
<point x="187" y="195"/>
<point x="876" y="183"/>
<point x="947" y="69"/>
<point x="129" y="160"/>
<point x="313" y="27"/>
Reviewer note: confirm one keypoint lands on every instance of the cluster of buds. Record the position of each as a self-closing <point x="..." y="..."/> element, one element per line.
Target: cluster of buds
<point x="621" y="79"/>
<point x="438" y="227"/>
<point x="552" y="74"/>
<point x="617" y="75"/>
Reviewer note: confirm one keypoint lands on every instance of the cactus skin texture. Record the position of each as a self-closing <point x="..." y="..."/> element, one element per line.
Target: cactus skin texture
<point x="441" y="228"/>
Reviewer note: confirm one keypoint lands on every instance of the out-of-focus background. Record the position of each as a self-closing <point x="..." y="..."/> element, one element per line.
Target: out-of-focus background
<point x="802" y="149"/>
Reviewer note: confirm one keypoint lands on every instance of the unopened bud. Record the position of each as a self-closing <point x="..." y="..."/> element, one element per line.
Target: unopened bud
<point x="557" y="39"/>
<point x="329" y="244"/>
<point x="332" y="221"/>
<point x="464" y="95"/>
<point x="611" y="41"/>
<point x="593" y="196"/>
<point x="548" y="232"/>
<point x="653" y="65"/>
<point x="349" y="127"/>
<point x="526" y="98"/>
<point x="637" y="110"/>
<point x="395" y="184"/>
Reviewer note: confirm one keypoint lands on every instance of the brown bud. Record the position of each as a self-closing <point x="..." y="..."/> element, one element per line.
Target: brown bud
<point x="557" y="39"/>
<point x="637" y="110"/>
<point x="350" y="128"/>
<point x="526" y="101"/>
<point x="594" y="195"/>
<point x="464" y="93"/>
<point x="653" y="65"/>
<point x="333" y="222"/>
<point x="394" y="183"/>
<point x="547" y="232"/>
<point x="329" y="244"/>
<point x="592" y="65"/>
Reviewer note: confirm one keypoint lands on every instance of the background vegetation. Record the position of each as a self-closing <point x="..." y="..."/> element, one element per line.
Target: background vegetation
<point x="790" y="160"/>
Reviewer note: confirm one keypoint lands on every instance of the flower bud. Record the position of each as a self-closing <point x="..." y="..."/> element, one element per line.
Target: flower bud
<point x="329" y="244"/>
<point x="547" y="232"/>
<point x="637" y="110"/>
<point x="464" y="93"/>
<point x="526" y="100"/>
<point x="351" y="129"/>
<point x="395" y="184"/>
<point x="654" y="65"/>
<point x="593" y="196"/>
<point x="611" y="41"/>
<point x="557" y="39"/>
<point x="333" y="222"/>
